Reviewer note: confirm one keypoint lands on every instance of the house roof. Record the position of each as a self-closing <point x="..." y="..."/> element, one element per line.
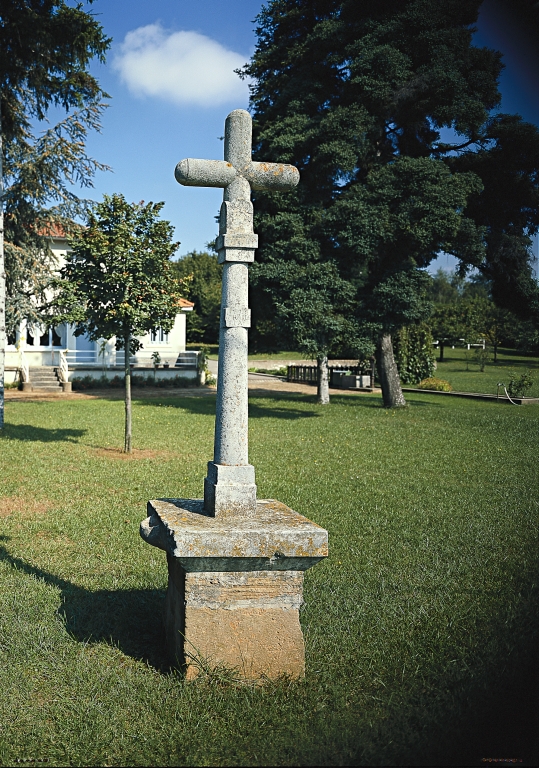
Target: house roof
<point x="56" y="230"/>
<point x="186" y="306"/>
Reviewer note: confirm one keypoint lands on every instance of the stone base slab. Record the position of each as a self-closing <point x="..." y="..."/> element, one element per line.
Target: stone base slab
<point x="235" y="585"/>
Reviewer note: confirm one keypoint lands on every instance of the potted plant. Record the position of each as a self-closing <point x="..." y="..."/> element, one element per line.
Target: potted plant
<point x="156" y="357"/>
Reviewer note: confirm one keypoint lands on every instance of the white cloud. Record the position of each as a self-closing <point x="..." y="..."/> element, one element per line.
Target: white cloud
<point x="182" y="67"/>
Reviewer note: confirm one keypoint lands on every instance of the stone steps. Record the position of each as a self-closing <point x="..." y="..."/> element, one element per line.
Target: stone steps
<point x="186" y="360"/>
<point x="45" y="379"/>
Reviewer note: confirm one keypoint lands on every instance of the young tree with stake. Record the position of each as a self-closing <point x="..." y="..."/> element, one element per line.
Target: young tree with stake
<point x="118" y="279"/>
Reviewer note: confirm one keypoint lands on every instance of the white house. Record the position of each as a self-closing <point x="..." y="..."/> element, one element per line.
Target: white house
<point x="48" y="355"/>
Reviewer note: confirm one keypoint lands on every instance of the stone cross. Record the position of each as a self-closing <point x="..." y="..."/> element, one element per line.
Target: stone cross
<point x="230" y="483"/>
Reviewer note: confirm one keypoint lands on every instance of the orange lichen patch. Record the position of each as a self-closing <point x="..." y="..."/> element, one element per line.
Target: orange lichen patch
<point x="23" y="505"/>
<point x="136" y="453"/>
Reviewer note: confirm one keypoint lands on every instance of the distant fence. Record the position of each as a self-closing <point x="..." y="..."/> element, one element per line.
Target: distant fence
<point x="338" y="375"/>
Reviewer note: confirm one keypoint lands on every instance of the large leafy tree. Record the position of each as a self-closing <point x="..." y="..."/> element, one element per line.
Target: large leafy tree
<point x="358" y="94"/>
<point x="45" y="49"/>
<point x="506" y="160"/>
<point x="314" y="303"/>
<point x="394" y="224"/>
<point x="118" y="279"/>
<point x="300" y="293"/>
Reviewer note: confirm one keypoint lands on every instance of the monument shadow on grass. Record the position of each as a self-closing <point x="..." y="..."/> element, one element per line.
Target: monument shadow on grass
<point x="130" y="620"/>
<point x="500" y="718"/>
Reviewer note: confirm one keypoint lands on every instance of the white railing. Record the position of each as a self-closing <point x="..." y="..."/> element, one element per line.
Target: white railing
<point x="64" y="367"/>
<point x="81" y="356"/>
<point x="25" y="370"/>
<point x="94" y="357"/>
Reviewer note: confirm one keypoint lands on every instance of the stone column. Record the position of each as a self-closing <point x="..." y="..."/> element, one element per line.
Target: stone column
<point x="230" y="483"/>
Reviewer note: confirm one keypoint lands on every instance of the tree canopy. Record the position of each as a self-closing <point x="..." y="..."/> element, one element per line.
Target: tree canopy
<point x="204" y="275"/>
<point x="46" y="48"/>
<point x="386" y="107"/>
<point x="118" y="279"/>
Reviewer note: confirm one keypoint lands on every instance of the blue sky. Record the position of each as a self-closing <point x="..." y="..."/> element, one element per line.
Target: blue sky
<point x="170" y="75"/>
<point x="156" y="117"/>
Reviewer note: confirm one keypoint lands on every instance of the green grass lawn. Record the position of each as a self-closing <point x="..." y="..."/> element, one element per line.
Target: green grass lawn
<point x="421" y="627"/>
<point x="459" y="368"/>
<point x="462" y="372"/>
<point x="281" y="355"/>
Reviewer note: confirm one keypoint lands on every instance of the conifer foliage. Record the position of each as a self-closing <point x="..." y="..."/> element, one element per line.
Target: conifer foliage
<point x="356" y="94"/>
<point x="45" y="49"/>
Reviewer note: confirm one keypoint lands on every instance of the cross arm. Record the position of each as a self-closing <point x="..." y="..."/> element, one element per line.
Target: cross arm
<point x="271" y="176"/>
<point x="220" y="173"/>
<point x="204" y="173"/>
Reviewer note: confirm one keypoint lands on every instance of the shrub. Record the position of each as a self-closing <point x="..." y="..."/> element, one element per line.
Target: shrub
<point x="482" y="357"/>
<point x="438" y="385"/>
<point x="118" y="382"/>
<point x="414" y="353"/>
<point x="204" y="372"/>
<point x="519" y="385"/>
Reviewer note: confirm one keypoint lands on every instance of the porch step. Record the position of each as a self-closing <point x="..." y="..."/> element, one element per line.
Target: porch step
<point x="45" y="378"/>
<point x="186" y="360"/>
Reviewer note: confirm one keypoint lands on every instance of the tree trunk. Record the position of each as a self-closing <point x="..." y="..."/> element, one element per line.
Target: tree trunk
<point x="441" y="351"/>
<point x="323" y="381"/>
<point x="495" y="346"/>
<point x="387" y="371"/>
<point x="127" y="443"/>
<point x="2" y="286"/>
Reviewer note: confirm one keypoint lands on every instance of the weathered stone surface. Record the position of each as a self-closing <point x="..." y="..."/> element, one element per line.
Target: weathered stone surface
<point x="245" y="621"/>
<point x="236" y="244"/>
<point x="235" y="584"/>
<point x="274" y="538"/>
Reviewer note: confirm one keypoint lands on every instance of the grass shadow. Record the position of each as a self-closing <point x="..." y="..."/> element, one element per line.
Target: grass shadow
<point x="28" y="432"/>
<point x="206" y="407"/>
<point x="375" y="401"/>
<point x="128" y="619"/>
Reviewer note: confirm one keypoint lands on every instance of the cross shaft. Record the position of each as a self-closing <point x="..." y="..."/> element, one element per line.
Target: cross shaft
<point x="230" y="484"/>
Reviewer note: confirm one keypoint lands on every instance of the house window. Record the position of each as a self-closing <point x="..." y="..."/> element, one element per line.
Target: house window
<point x="158" y="336"/>
<point x="56" y="341"/>
<point x="50" y="338"/>
<point x="11" y="339"/>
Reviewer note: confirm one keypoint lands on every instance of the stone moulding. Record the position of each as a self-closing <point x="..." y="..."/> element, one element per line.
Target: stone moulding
<point x="273" y="538"/>
<point x="235" y="585"/>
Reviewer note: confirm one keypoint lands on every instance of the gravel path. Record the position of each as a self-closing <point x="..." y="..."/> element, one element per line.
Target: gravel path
<point x="258" y="384"/>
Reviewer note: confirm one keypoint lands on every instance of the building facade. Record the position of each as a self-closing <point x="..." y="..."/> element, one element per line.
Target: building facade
<point x="34" y="347"/>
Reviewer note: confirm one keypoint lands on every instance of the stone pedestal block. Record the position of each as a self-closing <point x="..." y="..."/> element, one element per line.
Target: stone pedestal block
<point x="235" y="585"/>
